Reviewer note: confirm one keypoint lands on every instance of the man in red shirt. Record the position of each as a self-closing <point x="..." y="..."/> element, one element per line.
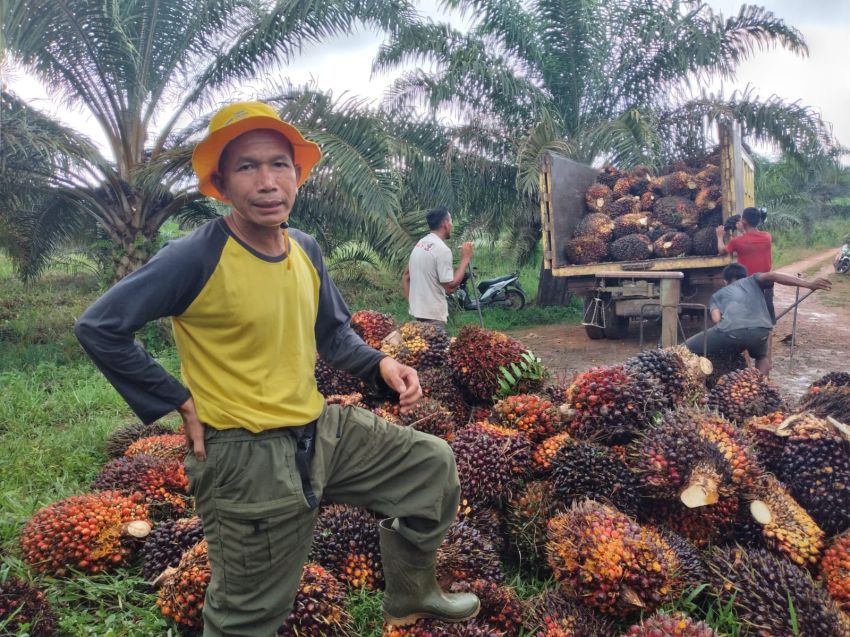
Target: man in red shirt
<point x="753" y="249"/>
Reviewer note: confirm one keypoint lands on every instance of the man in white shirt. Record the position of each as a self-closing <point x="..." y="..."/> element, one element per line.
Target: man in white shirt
<point x="429" y="274"/>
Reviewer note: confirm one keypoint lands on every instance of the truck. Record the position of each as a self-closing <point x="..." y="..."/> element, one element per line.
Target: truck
<point x="615" y="292"/>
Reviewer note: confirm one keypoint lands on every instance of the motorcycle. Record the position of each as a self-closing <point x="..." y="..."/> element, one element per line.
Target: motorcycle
<point x="504" y="291"/>
<point x="842" y="260"/>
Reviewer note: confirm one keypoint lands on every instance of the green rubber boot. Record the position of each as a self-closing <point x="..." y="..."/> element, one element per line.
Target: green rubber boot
<point x="412" y="591"/>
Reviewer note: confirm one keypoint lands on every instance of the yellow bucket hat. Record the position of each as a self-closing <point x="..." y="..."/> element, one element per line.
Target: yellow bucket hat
<point x="237" y="119"/>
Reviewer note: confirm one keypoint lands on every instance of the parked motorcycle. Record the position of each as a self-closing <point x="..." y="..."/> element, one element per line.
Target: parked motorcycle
<point x="842" y="260"/>
<point x="504" y="291"/>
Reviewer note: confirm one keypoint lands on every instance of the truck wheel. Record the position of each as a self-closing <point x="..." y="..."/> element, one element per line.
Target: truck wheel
<point x="593" y="332"/>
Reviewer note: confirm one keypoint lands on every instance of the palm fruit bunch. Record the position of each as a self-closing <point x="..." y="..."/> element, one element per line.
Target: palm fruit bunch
<point x="609" y="176"/>
<point x="476" y="356"/>
<point x="697" y="371"/>
<point x="167" y="446"/>
<point x="610" y="401"/>
<point x="531" y="414"/>
<point x="666" y="368"/>
<point x="672" y="244"/>
<point x="679" y="183"/>
<point x="608" y="561"/>
<point x="702" y="526"/>
<point x="372" y="326"/>
<point x="632" y="247"/>
<point x="596" y="225"/>
<point x="723" y="363"/>
<point x="163" y="482"/>
<point x="346" y="400"/>
<point x="708" y="176"/>
<point x="332" y="381"/>
<point x="181" y="597"/>
<point x="656" y="230"/>
<point x="623" y="206"/>
<point x="835" y="379"/>
<point x="622" y="187"/>
<point x="815" y="465"/>
<point x="835" y="570"/>
<point x="631" y="223"/>
<point x="707" y="199"/>
<point x="828" y="400"/>
<point x="168" y="542"/>
<point x="786" y="527"/>
<point x="670" y="625"/>
<point x="704" y="242"/>
<point x="437" y="383"/>
<point x="430" y="416"/>
<point x="501" y="607"/>
<point x="586" y="250"/>
<point x="91" y="533"/>
<point x="583" y="470"/>
<point x="551" y="614"/>
<point x="597" y="197"/>
<point x="544" y="454"/>
<point x="467" y="554"/>
<point x="345" y="541"/>
<point x="676" y="212"/>
<point x="730" y="441"/>
<point x="118" y="441"/>
<point x="420" y="345"/>
<point x="488" y="520"/>
<point x="24" y="610"/>
<point x="761" y="588"/>
<point x="320" y="608"/>
<point x="647" y="201"/>
<point x="739" y="395"/>
<point x="766" y="437"/>
<point x="691" y="572"/>
<point x="556" y="392"/>
<point x="528" y="512"/>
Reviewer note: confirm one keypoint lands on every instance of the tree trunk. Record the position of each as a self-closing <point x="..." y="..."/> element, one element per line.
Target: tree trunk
<point x="133" y="252"/>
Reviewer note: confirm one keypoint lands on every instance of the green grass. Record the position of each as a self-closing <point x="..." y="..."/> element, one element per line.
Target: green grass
<point x="797" y="244"/>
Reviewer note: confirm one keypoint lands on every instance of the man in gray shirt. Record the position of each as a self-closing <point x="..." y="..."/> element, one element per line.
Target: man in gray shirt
<point x="740" y="315"/>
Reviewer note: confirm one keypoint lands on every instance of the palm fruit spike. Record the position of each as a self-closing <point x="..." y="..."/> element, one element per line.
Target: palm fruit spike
<point x="488" y="520"/>
<point x="708" y="199"/>
<point x="622" y="206"/>
<point x="346" y="400"/>
<point x="345" y="542"/>
<point x="181" y="597"/>
<point x="836" y="379"/>
<point x="786" y="526"/>
<point x="670" y="625"/>
<point x="680" y="184"/>
<point x="608" y="561"/>
<point x="419" y="345"/>
<point x="430" y="416"/>
<point x="632" y="223"/>
<point x="691" y="573"/>
<point x="667" y="368"/>
<point x="476" y="356"/>
<point x="672" y="244"/>
<point x="438" y="383"/>
<point x="167" y="543"/>
<point x="168" y="446"/>
<point x="467" y="554"/>
<point x="501" y="607"/>
<point x="731" y="442"/>
<point x="697" y="371"/>
<point x="815" y="465"/>
<point x="609" y="402"/>
<point x="608" y="176"/>
<point x="528" y="512"/>
<point x="830" y="400"/>
<point x="761" y="587"/>
<point x="90" y="533"/>
<point x="531" y="414"/>
<point x="118" y="441"/>
<point x="491" y="461"/>
<point x="835" y="570"/>
<point x="163" y="482"/>
<point x="622" y="187"/>
<point x="585" y="250"/>
<point x="647" y="201"/>
<point x="544" y="453"/>
<point x="320" y="607"/>
<point x="739" y="395"/>
<point x="372" y="326"/>
<point x="701" y="526"/>
<point x="438" y="628"/>
<point x="632" y="247"/>
<point x="583" y="470"/>
<point x="704" y="243"/>
<point x="597" y="197"/>
<point x="551" y="614"/>
<point x="332" y="381"/>
<point x="597" y="225"/>
<point x="24" y="610"/>
<point x="762" y="431"/>
<point x="676" y="212"/>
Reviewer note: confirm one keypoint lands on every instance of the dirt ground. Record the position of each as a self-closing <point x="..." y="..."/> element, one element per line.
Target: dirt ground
<point x="822" y="341"/>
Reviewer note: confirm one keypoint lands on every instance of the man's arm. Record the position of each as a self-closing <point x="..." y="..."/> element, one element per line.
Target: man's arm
<point x="465" y="258"/>
<point x="766" y="278"/>
<point x="405" y="283"/>
<point x="722" y="248"/>
<point x="716" y="315"/>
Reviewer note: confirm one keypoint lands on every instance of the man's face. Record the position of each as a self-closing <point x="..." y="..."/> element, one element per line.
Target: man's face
<point x="259" y="178"/>
<point x="448" y="225"/>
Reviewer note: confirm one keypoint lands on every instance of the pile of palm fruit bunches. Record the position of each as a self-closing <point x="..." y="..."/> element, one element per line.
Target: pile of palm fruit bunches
<point x="633" y="216"/>
<point x="619" y="493"/>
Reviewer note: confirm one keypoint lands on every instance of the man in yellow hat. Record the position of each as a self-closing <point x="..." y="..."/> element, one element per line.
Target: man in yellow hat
<point x="251" y="304"/>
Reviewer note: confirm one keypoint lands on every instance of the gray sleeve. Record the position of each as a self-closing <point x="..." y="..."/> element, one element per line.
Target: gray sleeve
<point x="338" y="344"/>
<point x="165" y="286"/>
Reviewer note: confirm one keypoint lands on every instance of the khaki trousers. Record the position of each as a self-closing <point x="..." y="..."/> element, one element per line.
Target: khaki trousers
<point x="259" y="525"/>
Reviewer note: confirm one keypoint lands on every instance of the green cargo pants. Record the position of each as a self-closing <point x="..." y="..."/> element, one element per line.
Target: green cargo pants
<point x="259" y="525"/>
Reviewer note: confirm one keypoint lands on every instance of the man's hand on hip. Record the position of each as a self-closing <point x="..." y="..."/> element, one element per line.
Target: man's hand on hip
<point x="402" y="379"/>
<point x="194" y="429"/>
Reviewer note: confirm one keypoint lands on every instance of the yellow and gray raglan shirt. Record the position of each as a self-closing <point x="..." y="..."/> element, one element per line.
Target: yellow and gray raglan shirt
<point x="247" y="328"/>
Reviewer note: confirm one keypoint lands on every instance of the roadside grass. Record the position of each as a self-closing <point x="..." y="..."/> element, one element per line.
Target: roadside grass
<point x="839" y="295"/>
<point x="798" y="243"/>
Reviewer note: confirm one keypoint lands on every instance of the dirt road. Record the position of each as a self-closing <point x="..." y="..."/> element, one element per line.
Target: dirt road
<point x="822" y="340"/>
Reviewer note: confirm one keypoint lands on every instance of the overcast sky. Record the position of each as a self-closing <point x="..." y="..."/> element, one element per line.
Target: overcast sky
<point x="821" y="80"/>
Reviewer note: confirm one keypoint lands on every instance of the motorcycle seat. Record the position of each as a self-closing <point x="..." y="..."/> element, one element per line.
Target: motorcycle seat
<point x="491" y="282"/>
